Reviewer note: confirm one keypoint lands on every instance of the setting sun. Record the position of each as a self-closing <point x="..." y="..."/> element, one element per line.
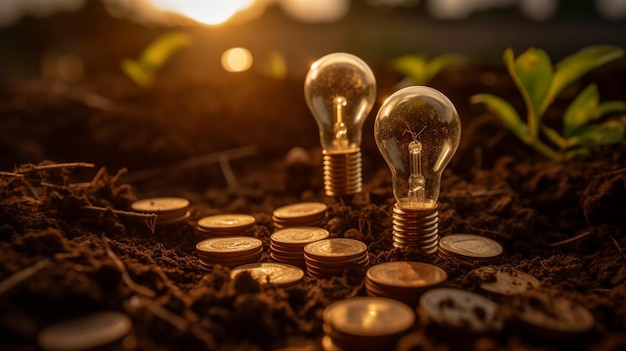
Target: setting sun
<point x="236" y="59"/>
<point x="212" y="12"/>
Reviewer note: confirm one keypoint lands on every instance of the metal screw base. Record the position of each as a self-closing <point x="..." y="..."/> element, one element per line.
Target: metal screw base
<point x="416" y="229"/>
<point x="342" y="173"/>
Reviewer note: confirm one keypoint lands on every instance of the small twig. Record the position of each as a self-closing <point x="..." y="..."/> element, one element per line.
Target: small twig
<point x="161" y="312"/>
<point x="193" y="162"/>
<point x="22" y="275"/>
<point x="140" y="289"/>
<point x="228" y="172"/>
<point x="619" y="248"/>
<point x="33" y="168"/>
<point x="27" y="272"/>
<point x="52" y="186"/>
<point x="567" y="241"/>
<point x="614" y="172"/>
<point x="101" y="172"/>
<point x="149" y="217"/>
<point x="10" y="174"/>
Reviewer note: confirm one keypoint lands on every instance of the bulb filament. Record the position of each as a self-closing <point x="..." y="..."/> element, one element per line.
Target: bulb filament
<point x="341" y="132"/>
<point x="417" y="182"/>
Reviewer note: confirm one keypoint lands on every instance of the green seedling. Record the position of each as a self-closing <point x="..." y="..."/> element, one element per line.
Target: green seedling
<point x="143" y="70"/>
<point x="539" y="84"/>
<point x="419" y="70"/>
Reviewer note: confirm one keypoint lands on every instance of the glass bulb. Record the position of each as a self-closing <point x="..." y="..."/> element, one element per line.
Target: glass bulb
<point x="417" y="130"/>
<point x="340" y="90"/>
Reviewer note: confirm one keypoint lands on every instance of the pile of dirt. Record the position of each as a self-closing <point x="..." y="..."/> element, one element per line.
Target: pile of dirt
<point x="68" y="249"/>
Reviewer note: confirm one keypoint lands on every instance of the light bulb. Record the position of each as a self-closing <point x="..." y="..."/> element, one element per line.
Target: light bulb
<point x="417" y="131"/>
<point x="340" y="90"/>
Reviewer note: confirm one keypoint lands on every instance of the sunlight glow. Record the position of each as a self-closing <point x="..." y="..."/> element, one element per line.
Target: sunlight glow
<point x="211" y="12"/>
<point x="236" y="59"/>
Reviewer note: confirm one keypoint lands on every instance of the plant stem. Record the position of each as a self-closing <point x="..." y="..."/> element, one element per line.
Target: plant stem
<point x="545" y="150"/>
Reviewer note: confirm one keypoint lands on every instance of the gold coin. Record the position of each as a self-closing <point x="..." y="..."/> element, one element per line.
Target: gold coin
<point x="252" y="257"/>
<point x="458" y="309"/>
<point x="369" y="316"/>
<point x="274" y="273"/>
<point x="470" y="246"/>
<point x="299" y="236"/>
<point x="229" y="246"/>
<point x="335" y="248"/>
<point x="505" y="281"/>
<point x="554" y="317"/>
<point x="160" y="205"/>
<point x="406" y="274"/>
<point x="226" y="222"/>
<point x="88" y="332"/>
<point x="301" y="210"/>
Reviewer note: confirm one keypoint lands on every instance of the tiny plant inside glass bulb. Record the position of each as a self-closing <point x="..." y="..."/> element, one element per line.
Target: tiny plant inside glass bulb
<point x="417" y="130"/>
<point x="340" y="91"/>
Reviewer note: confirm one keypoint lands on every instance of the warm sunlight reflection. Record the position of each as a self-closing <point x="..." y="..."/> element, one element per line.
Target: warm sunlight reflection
<point x="236" y="59"/>
<point x="211" y="12"/>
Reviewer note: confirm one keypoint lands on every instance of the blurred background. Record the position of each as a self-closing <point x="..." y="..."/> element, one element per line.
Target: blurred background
<point x="76" y="39"/>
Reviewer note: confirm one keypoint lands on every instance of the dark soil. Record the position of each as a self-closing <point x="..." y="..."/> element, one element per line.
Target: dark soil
<point x="494" y="187"/>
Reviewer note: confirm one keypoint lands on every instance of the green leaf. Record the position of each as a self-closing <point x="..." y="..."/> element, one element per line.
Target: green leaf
<point x="554" y="136"/>
<point x="609" y="107"/>
<point x="576" y="152"/>
<point x="581" y="110"/>
<point x="413" y="66"/>
<point x="574" y="66"/>
<point x="442" y="62"/>
<point x="532" y="73"/>
<point x="137" y="73"/>
<point x="507" y="114"/>
<point x="162" y="48"/>
<point x="609" y="132"/>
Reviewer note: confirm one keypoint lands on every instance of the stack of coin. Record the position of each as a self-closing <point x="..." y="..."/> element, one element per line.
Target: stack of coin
<point x="416" y="229"/>
<point x="230" y="251"/>
<point x="224" y="225"/>
<point x="283" y="275"/>
<point x="403" y="281"/>
<point x="365" y="323"/>
<point x="461" y="310"/>
<point x="169" y="210"/>
<point x="329" y="257"/>
<point x="504" y="281"/>
<point x="304" y="214"/>
<point x="469" y="247"/>
<point x="287" y="245"/>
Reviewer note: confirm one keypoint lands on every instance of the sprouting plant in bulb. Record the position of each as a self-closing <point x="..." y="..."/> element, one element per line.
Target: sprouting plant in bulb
<point x="340" y="90"/>
<point x="417" y="131"/>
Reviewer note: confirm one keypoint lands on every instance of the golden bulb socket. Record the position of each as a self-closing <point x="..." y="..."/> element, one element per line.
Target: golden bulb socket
<point x="342" y="173"/>
<point x="416" y="229"/>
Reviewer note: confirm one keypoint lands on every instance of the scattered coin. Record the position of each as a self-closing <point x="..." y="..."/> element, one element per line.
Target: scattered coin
<point x="224" y="225"/>
<point x="461" y="310"/>
<point x="366" y="323"/>
<point x="469" y="246"/>
<point x="169" y="210"/>
<point x="403" y="280"/>
<point x="230" y="251"/>
<point x="284" y="275"/>
<point x="300" y="214"/>
<point x="329" y="257"/>
<point x="87" y="332"/>
<point x="554" y="318"/>
<point x="505" y="281"/>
